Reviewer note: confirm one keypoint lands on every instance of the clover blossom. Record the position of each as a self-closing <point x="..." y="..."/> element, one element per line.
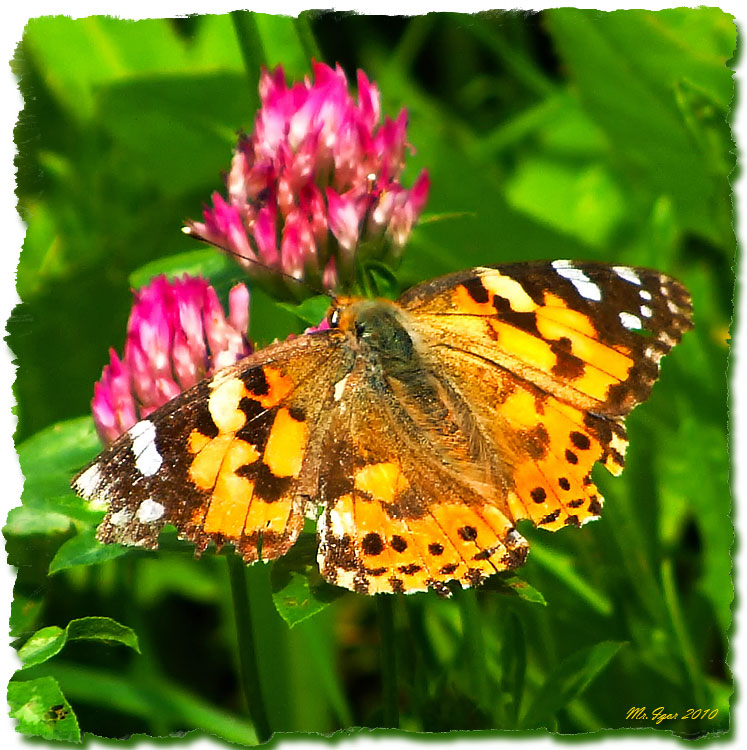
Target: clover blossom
<point x="315" y="187"/>
<point x="177" y="334"/>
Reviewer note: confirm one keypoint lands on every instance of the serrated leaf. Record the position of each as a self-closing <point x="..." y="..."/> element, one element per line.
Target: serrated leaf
<point x="49" y="641"/>
<point x="298" y="589"/>
<point x="102" y="629"/>
<point x="42" y="645"/>
<point x="569" y="680"/>
<point x="85" y="549"/>
<point x="509" y="584"/>
<point x="42" y="710"/>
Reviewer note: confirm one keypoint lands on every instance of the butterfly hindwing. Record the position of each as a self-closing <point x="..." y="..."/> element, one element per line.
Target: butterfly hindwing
<point x="397" y="520"/>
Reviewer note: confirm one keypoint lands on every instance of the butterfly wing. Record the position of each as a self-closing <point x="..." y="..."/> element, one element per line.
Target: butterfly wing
<point x="551" y="357"/>
<point x="397" y="517"/>
<point x="233" y="459"/>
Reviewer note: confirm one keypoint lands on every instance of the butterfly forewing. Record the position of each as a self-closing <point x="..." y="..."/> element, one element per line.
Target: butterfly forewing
<point x="231" y="460"/>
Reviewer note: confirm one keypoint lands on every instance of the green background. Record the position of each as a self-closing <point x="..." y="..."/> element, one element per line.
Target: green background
<point x="562" y="134"/>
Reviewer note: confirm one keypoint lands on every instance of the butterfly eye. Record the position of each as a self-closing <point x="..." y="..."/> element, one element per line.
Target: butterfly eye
<point x="334" y="317"/>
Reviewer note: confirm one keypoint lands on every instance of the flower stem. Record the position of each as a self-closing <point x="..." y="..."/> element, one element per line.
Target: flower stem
<point x="306" y="35"/>
<point x="250" y="44"/>
<point x="474" y="644"/>
<point x="248" y="669"/>
<point x="385" y="616"/>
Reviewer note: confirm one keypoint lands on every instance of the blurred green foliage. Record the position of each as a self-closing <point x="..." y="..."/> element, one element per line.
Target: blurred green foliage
<point x="567" y="133"/>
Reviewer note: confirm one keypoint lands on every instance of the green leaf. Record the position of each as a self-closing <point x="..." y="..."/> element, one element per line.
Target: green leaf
<point x="298" y="590"/>
<point x="207" y="262"/>
<point x="51" y="457"/>
<point x="311" y="310"/>
<point x="25" y="521"/>
<point x="42" y="710"/>
<point x="42" y="645"/>
<point x="569" y="680"/>
<point x="164" y="126"/>
<point x="85" y="549"/>
<point x="626" y="66"/>
<point x="509" y="584"/>
<point x="24" y="613"/>
<point x="583" y="202"/>
<point x="102" y="629"/>
<point x="47" y="642"/>
<point x="80" y="55"/>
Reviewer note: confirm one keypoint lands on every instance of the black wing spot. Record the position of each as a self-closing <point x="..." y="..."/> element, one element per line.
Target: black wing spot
<point x="436" y="549"/>
<point x="372" y="544"/>
<point x="398" y="544"/>
<point x="538" y="494"/>
<point x="468" y="533"/>
<point x="564" y="484"/>
<point x="571" y="457"/>
<point x="550" y="517"/>
<point x="256" y="382"/>
<point x="581" y="441"/>
<point x="476" y="289"/>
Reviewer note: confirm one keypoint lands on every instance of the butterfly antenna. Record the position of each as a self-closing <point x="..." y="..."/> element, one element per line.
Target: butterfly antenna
<point x="302" y="282"/>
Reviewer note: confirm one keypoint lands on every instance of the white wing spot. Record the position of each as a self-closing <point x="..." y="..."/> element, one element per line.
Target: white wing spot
<point x="630" y="321"/>
<point x="646" y="311"/>
<point x="627" y="274"/>
<point x="644" y="294"/>
<point x="147" y="458"/>
<point x="88" y="482"/>
<point x="121" y="517"/>
<point x="584" y="285"/>
<point x="149" y="511"/>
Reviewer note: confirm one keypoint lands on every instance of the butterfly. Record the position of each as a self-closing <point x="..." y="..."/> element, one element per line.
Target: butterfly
<point x="417" y="432"/>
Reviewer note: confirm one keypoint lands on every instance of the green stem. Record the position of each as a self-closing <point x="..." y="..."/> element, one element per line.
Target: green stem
<point x="514" y="59"/>
<point x="680" y="631"/>
<point x="306" y="35"/>
<point x="250" y="44"/>
<point x="474" y="645"/>
<point x="248" y="668"/>
<point x="385" y="616"/>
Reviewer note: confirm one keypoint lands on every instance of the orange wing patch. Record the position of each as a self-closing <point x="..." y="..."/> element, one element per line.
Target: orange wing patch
<point x="247" y="468"/>
<point x="385" y="533"/>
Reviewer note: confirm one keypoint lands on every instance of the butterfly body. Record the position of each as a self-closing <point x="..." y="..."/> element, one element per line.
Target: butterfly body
<point x="419" y="431"/>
